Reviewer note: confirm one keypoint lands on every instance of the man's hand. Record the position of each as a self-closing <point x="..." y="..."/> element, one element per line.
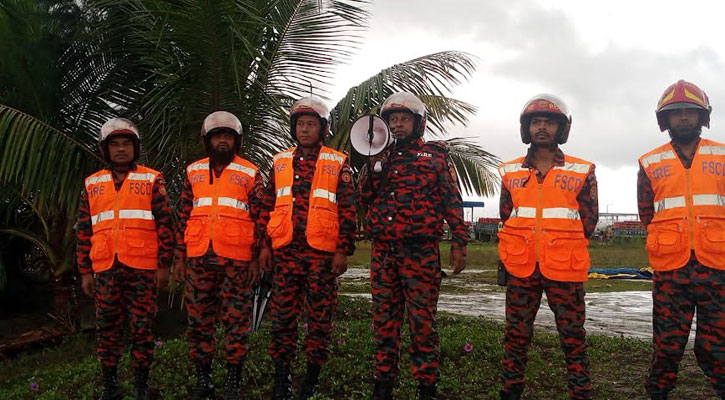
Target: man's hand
<point x="457" y="260"/>
<point x="265" y="256"/>
<point x="88" y="284"/>
<point x="254" y="272"/>
<point x="162" y="278"/>
<point x="179" y="270"/>
<point x="339" y="264"/>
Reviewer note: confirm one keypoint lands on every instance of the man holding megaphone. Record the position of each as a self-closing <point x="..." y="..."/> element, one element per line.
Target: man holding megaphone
<point x="408" y="194"/>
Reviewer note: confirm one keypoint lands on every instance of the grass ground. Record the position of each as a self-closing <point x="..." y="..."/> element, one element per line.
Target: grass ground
<point x="71" y="371"/>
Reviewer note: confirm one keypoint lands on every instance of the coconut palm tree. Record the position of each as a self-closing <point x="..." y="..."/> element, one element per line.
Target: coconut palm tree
<point x="166" y="64"/>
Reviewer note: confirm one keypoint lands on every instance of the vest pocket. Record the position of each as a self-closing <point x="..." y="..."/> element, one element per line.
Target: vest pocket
<point x="194" y="232"/>
<point x="277" y="226"/>
<point x="101" y="245"/>
<point x="323" y="222"/>
<point x="236" y="231"/>
<point x="713" y="234"/>
<point x="141" y="241"/>
<point x="666" y="237"/>
<point x="566" y="253"/>
<point x="514" y="247"/>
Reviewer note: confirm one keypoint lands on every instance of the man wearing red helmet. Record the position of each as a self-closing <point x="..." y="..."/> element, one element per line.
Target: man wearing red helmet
<point x="549" y="208"/>
<point x="406" y="203"/>
<point x="125" y="245"/>
<point x="219" y="207"/>
<point x="681" y="195"/>
<point x="309" y="214"/>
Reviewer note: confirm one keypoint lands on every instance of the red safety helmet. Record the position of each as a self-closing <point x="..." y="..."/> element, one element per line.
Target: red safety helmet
<point x="548" y="105"/>
<point x="679" y="95"/>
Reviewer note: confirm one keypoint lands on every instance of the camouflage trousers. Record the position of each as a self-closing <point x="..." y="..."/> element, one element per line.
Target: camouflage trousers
<point x="125" y="295"/>
<point x="566" y="300"/>
<point x="676" y="295"/>
<point x="406" y="276"/>
<point x="303" y="283"/>
<point x="218" y="292"/>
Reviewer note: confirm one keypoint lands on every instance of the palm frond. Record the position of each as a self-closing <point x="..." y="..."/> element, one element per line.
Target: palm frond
<point x="475" y="166"/>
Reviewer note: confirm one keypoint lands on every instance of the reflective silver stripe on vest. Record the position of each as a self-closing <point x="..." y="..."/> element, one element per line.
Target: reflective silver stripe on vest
<point x="546" y="213"/>
<point x="135" y="176"/>
<point x="196" y="167"/>
<point x="284" y="191"/>
<point x="560" y="212"/>
<point x="713" y="150"/>
<point x="135" y="214"/>
<point x="670" y="203"/>
<point x="331" y="157"/>
<point x="284" y="154"/>
<point x="202" y="202"/>
<point x="98" y="179"/>
<point x="100" y="217"/>
<point x="524" y="212"/>
<point x="708" y="200"/>
<point x="322" y="193"/>
<point x="573" y="167"/>
<point x="509" y="168"/>
<point x="658" y="157"/>
<point x="230" y="202"/>
<point x="241" y="168"/>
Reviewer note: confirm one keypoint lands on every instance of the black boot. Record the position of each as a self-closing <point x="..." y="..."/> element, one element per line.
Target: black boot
<point x="111" y="387"/>
<point x="510" y="395"/>
<point x="282" y="382"/>
<point x="383" y="390"/>
<point x="204" y="388"/>
<point x="309" y="387"/>
<point x="427" y="391"/>
<point x="233" y="382"/>
<point x="140" y="386"/>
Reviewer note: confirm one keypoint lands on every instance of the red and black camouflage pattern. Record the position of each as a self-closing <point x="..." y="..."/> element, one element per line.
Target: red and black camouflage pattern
<point x="304" y="168"/>
<point x="303" y="284"/>
<point x="218" y="291"/>
<point x="217" y="288"/>
<point x="587" y="199"/>
<point x="566" y="300"/>
<point x="406" y="276"/>
<point x="162" y="216"/>
<point x="406" y="204"/>
<point x="303" y="278"/>
<point x="676" y="296"/>
<point x="125" y="296"/>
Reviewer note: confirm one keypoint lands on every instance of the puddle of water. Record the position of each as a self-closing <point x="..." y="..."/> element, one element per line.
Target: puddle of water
<point x="627" y="314"/>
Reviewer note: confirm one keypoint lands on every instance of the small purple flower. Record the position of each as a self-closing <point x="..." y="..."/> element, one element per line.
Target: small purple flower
<point x="34" y="386"/>
<point x="372" y="326"/>
<point x="341" y="342"/>
<point x="468" y="347"/>
<point x="159" y="344"/>
<point x="304" y="327"/>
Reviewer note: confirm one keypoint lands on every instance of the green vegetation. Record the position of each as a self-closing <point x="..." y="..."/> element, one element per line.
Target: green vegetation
<point x="618" y="365"/>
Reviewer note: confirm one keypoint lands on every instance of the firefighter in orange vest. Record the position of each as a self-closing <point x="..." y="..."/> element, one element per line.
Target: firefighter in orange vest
<point x="125" y="246"/>
<point x="219" y="207"/>
<point x="549" y="208"/>
<point x="681" y="194"/>
<point x="309" y="214"/>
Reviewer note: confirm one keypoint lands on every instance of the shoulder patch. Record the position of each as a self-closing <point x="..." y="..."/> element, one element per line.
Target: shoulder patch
<point x="593" y="192"/>
<point x="162" y="190"/>
<point x="452" y="172"/>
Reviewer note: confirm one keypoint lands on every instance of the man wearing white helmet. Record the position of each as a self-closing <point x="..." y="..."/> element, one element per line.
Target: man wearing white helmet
<point x="309" y="212"/>
<point x="549" y="208"/>
<point x="407" y="202"/>
<point x="219" y="207"/>
<point x="125" y="245"/>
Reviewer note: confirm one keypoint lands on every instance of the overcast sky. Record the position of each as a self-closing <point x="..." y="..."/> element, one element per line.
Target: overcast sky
<point x="610" y="61"/>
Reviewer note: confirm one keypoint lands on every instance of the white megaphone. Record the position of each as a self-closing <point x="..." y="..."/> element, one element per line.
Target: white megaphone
<point x="369" y="136"/>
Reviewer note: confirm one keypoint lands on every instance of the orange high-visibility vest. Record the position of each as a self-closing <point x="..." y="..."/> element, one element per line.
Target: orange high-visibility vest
<point x="689" y="206"/>
<point x="545" y="225"/>
<point x="323" y="224"/>
<point x="221" y="210"/>
<point x="123" y="224"/>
